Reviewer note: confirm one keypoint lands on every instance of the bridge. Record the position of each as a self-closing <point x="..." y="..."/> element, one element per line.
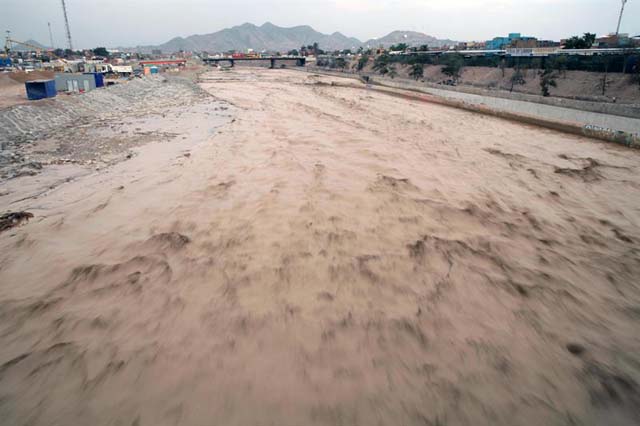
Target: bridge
<point x="300" y="61"/>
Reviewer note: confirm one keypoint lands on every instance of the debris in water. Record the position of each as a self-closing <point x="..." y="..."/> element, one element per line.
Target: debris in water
<point x="9" y="220"/>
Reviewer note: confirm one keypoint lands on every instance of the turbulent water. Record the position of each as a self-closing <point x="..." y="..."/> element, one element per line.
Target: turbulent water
<point x="330" y="256"/>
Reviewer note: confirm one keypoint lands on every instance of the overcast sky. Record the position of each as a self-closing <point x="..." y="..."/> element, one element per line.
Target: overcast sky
<point x="135" y="22"/>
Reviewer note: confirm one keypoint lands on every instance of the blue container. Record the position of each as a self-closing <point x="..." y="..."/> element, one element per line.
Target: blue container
<point x="99" y="77"/>
<point x="40" y="89"/>
<point x="5" y="62"/>
<point x="154" y="70"/>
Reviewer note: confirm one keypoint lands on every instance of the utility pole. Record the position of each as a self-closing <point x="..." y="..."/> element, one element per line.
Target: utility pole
<point x="624" y="2"/>
<point x="51" y="36"/>
<point x="66" y="23"/>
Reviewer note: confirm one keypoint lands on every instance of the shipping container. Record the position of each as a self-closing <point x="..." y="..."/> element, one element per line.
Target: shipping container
<point x="40" y="89"/>
<point x="75" y="82"/>
<point x="99" y="78"/>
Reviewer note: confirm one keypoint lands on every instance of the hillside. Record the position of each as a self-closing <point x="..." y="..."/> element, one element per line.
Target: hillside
<point x="411" y="38"/>
<point x="265" y="37"/>
<point x="274" y="38"/>
<point x="20" y="47"/>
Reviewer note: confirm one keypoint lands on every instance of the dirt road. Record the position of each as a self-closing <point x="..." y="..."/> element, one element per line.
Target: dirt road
<point x="330" y="256"/>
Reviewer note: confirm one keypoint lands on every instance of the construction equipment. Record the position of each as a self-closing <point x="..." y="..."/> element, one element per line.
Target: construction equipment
<point x="624" y="2"/>
<point x="9" y="41"/>
<point x="66" y="23"/>
<point x="51" y="36"/>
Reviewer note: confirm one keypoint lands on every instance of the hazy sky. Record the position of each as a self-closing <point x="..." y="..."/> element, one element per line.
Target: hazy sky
<point x="133" y="22"/>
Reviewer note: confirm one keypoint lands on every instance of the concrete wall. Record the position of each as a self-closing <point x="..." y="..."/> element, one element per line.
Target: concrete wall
<point x="623" y="110"/>
<point x="611" y="128"/>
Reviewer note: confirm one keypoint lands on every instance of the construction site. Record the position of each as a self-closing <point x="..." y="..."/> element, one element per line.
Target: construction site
<point x="262" y="239"/>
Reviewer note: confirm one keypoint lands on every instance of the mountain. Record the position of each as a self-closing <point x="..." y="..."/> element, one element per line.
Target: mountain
<point x="411" y="38"/>
<point x="21" y="47"/>
<point x="265" y="37"/>
<point x="271" y="37"/>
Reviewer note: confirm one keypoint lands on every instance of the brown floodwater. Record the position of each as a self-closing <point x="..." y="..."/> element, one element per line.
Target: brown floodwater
<point x="329" y="256"/>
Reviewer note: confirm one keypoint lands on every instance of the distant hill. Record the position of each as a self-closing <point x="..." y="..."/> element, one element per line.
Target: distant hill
<point x="20" y="47"/>
<point x="411" y="38"/>
<point x="266" y="37"/>
<point x="271" y="37"/>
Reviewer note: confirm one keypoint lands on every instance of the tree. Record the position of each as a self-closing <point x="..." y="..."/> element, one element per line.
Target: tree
<point x="400" y="47"/>
<point x="559" y="63"/>
<point x="423" y="48"/>
<point x="547" y="80"/>
<point x="293" y="52"/>
<point x="503" y="65"/>
<point x="101" y="51"/>
<point x="362" y="62"/>
<point x="517" y="78"/>
<point x="584" y="42"/>
<point x="340" y="63"/>
<point x="603" y="62"/>
<point x="417" y="71"/>
<point x="392" y="71"/>
<point x="453" y="63"/>
<point x="381" y="62"/>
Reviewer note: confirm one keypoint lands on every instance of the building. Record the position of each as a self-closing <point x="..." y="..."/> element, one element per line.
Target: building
<point x="471" y="45"/>
<point x="613" y="40"/>
<point x="499" y="43"/>
<point x="547" y="43"/>
<point x="522" y="43"/>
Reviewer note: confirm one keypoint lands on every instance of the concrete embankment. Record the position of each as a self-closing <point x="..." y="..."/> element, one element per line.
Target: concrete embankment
<point x="607" y="127"/>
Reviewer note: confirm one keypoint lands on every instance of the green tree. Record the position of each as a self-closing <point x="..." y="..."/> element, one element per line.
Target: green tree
<point x="423" y="48"/>
<point x="584" y="42"/>
<point x="547" y="80"/>
<point x="381" y="62"/>
<point x="384" y="70"/>
<point x="293" y="52"/>
<point x="101" y="51"/>
<point x="340" y="63"/>
<point x="417" y="71"/>
<point x="517" y="78"/>
<point x="362" y="62"/>
<point x="392" y="72"/>
<point x="453" y="64"/>
<point x="400" y="47"/>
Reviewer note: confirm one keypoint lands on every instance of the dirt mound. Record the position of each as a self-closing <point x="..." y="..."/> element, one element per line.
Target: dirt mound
<point x="22" y="77"/>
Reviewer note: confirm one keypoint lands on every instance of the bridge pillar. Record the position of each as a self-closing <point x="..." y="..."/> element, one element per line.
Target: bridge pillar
<point x="233" y="63"/>
<point x="273" y="63"/>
